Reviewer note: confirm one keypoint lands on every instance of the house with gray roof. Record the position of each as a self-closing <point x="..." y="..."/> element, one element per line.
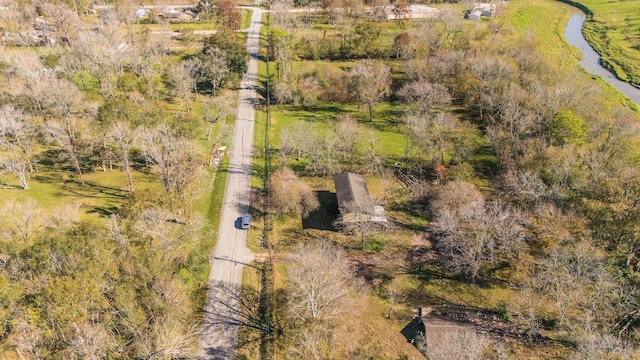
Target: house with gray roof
<point x="354" y="202"/>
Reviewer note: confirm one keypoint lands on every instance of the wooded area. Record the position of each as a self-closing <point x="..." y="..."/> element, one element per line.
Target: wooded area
<point x="524" y="168"/>
<point x="108" y="136"/>
<point x="511" y="179"/>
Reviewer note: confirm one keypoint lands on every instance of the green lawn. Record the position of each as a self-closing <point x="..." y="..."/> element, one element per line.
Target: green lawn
<point x="102" y="193"/>
<point x="545" y="20"/>
<point x="385" y="125"/>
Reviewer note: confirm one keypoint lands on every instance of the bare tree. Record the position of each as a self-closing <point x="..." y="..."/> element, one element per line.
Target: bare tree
<point x="347" y="131"/>
<point x="181" y="83"/>
<point x="62" y="21"/>
<point x="526" y="305"/>
<point x="308" y="91"/>
<point x="145" y="57"/>
<point x="27" y="339"/>
<point x="290" y="195"/>
<point x="434" y="134"/>
<point x="371" y="162"/>
<point x="322" y="150"/>
<point x="195" y="68"/>
<point x="214" y="67"/>
<point x="570" y="274"/>
<point x="281" y="14"/>
<point x="116" y="232"/>
<point x="216" y="113"/>
<point x="65" y="132"/>
<point x="34" y="83"/>
<point x="20" y="18"/>
<point x="297" y="139"/>
<point x="320" y="280"/>
<point x="159" y="225"/>
<point x="21" y="219"/>
<point x="220" y="108"/>
<point x="101" y="54"/>
<point x="310" y="343"/>
<point x="16" y="137"/>
<point x="18" y="167"/>
<point x="65" y="216"/>
<point x="91" y="341"/>
<point x="595" y="345"/>
<point x="395" y="293"/>
<point x="424" y="96"/>
<point x="370" y="83"/>
<point x="124" y="137"/>
<point x="16" y="134"/>
<point x="472" y="234"/>
<point x="283" y="93"/>
<point x="172" y="156"/>
<point x="452" y="22"/>
<point x="526" y="187"/>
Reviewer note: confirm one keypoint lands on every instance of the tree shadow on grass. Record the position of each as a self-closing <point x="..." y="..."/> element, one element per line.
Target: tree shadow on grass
<point x="91" y="190"/>
<point x="104" y="210"/>
<point x="50" y="157"/>
<point x="7" y="182"/>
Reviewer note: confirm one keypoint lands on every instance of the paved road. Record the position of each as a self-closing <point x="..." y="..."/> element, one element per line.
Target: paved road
<point x="219" y="337"/>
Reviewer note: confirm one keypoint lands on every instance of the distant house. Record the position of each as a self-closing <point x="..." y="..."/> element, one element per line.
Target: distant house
<point x="481" y="9"/>
<point x="354" y="202"/>
<point x="485" y="8"/>
<point x="415" y="11"/>
<point x="178" y="14"/>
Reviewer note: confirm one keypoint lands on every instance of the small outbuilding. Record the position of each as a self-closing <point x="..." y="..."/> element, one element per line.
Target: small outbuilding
<point x="141" y="13"/>
<point x="474" y="15"/>
<point x="481" y="9"/>
<point x="354" y="202"/>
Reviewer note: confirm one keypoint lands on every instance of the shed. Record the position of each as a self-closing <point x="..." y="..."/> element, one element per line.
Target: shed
<point x="354" y="202"/>
<point x="474" y="15"/>
<point x="141" y="13"/>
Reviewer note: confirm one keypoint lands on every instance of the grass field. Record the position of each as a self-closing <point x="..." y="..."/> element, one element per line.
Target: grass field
<point x="613" y="30"/>
<point x="542" y="23"/>
<point x="102" y="193"/>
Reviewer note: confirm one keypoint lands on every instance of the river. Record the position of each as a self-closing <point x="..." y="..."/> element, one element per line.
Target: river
<point x="591" y="60"/>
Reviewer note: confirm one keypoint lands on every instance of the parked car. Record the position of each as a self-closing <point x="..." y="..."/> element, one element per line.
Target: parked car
<point x="246" y="221"/>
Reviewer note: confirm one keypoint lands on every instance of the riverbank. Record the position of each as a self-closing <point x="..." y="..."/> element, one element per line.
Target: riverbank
<point x="591" y="60"/>
<point x="612" y="28"/>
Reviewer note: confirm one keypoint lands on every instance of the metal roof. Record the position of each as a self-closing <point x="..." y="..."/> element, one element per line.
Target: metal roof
<point x="351" y="189"/>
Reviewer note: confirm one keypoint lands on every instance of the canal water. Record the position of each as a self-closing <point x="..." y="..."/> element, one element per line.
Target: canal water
<point x="591" y="60"/>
